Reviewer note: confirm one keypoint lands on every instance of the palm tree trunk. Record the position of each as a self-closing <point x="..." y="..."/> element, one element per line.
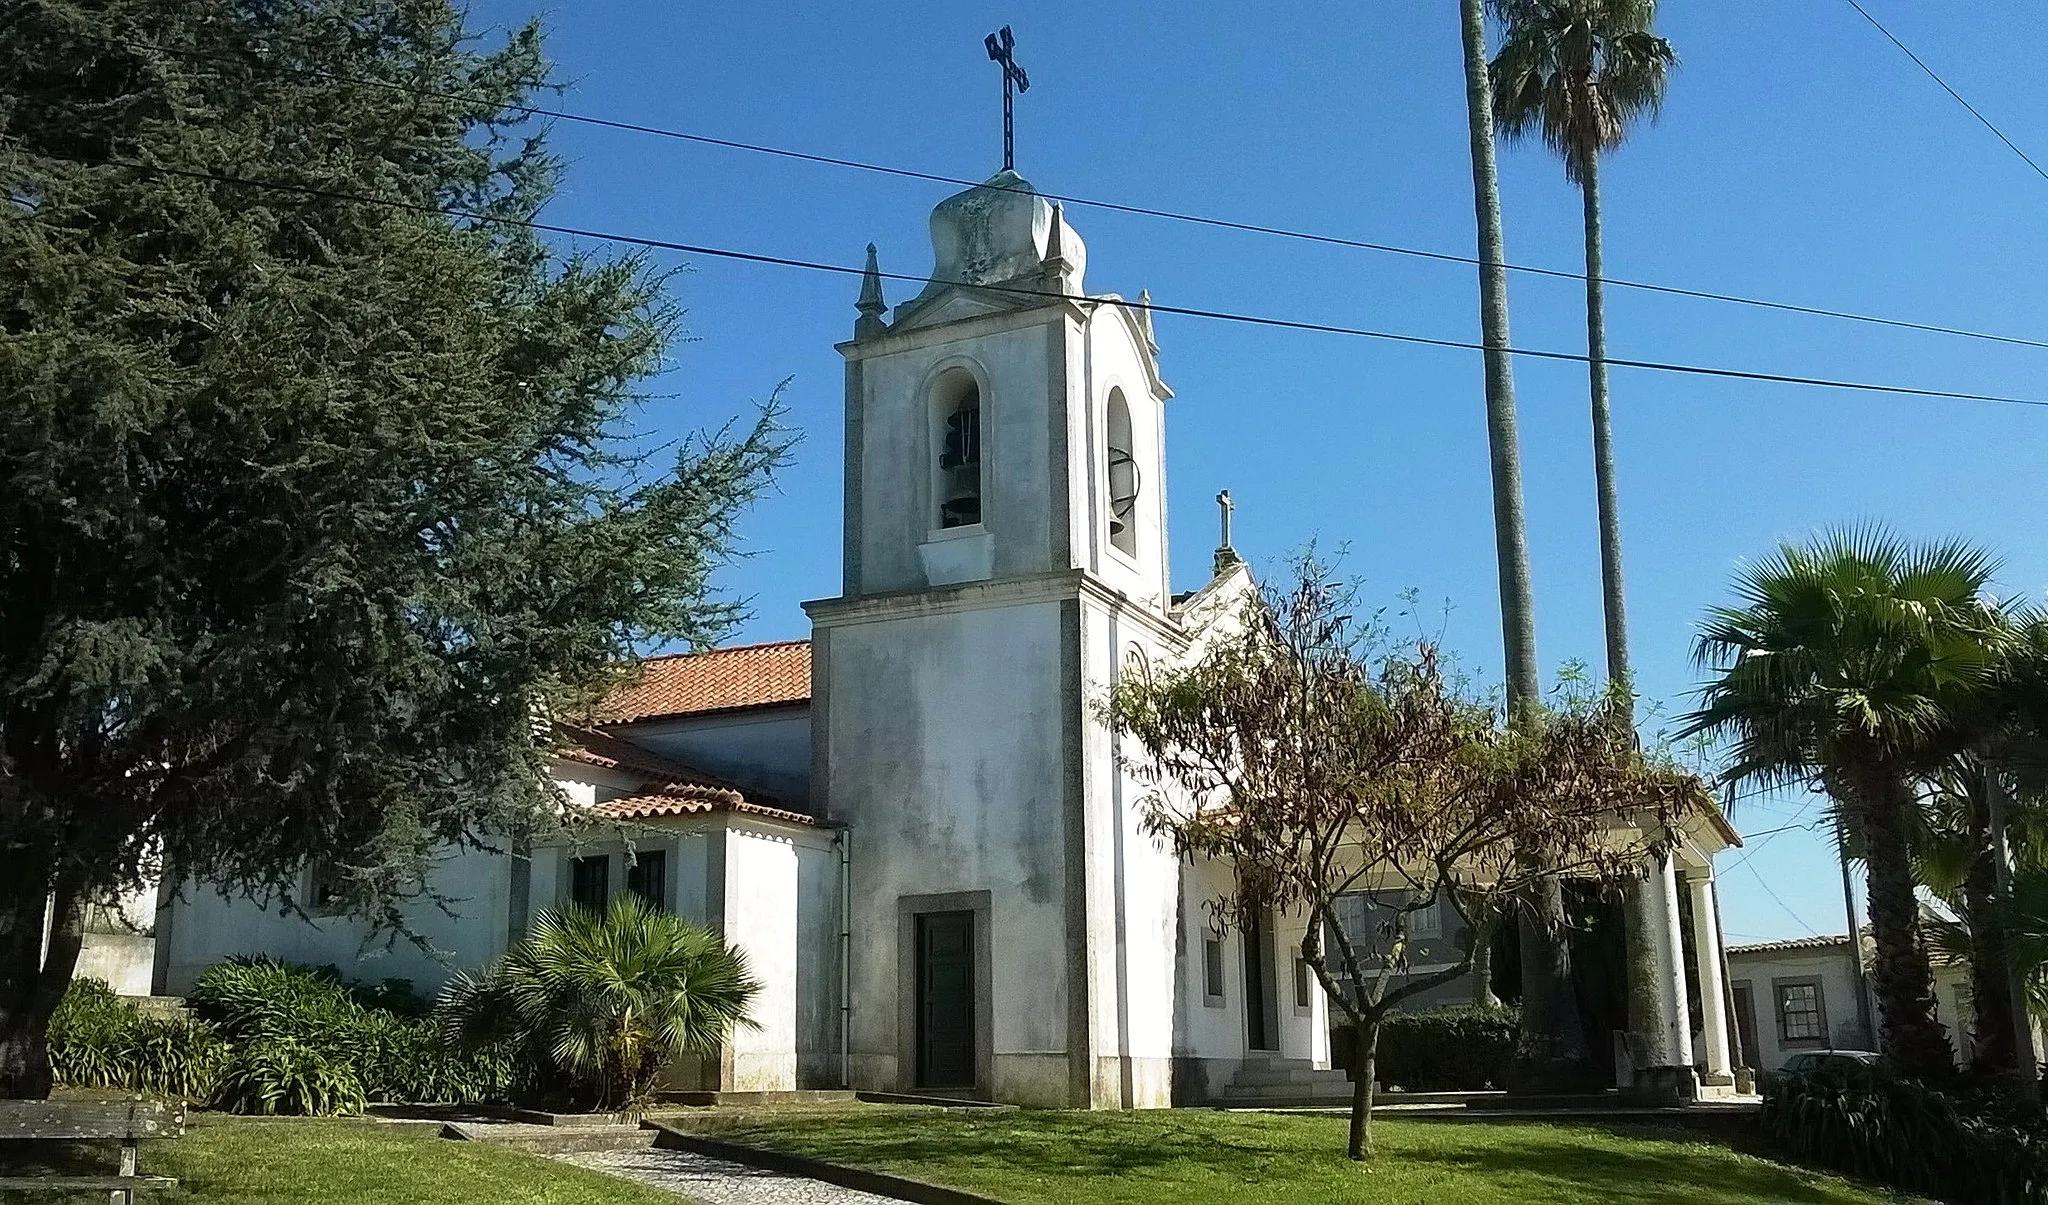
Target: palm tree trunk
<point x="1995" y="1046"/>
<point x="1551" y="1040"/>
<point x="1899" y="975"/>
<point x="1511" y="544"/>
<point x="1613" y="603"/>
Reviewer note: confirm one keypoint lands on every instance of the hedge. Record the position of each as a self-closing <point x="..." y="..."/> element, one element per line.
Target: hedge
<point x="1954" y="1145"/>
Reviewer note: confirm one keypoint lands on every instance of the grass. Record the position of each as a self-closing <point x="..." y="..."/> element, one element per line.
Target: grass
<point x="1024" y="1157"/>
<point x="1043" y="1158"/>
<point x="250" y="1161"/>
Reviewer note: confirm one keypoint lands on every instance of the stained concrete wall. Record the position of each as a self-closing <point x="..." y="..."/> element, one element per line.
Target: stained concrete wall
<point x="894" y="435"/>
<point x="943" y="722"/>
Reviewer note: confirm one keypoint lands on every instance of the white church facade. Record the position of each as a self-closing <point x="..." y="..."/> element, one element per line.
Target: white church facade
<point x="915" y="823"/>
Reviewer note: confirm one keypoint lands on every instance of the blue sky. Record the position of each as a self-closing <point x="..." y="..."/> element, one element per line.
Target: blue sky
<point x="1800" y="158"/>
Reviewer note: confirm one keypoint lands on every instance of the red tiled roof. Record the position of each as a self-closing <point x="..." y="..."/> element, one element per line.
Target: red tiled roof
<point x="1791" y="943"/>
<point x="752" y="675"/>
<point x="678" y="799"/>
<point x="671" y="788"/>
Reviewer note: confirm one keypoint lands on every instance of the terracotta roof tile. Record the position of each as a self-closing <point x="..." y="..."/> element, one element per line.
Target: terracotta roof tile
<point x="753" y="675"/>
<point x="1791" y="943"/>
<point x="679" y="799"/>
<point x="671" y="788"/>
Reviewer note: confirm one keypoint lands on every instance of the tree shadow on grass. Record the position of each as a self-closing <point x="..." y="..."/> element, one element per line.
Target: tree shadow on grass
<point x="1680" y="1176"/>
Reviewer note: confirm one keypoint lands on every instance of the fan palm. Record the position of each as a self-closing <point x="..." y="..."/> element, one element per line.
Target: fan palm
<point x="608" y="997"/>
<point x="1850" y="663"/>
<point x="1578" y="74"/>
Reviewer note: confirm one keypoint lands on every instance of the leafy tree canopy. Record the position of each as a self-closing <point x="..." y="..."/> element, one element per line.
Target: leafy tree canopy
<point x="311" y="506"/>
<point x="1319" y="766"/>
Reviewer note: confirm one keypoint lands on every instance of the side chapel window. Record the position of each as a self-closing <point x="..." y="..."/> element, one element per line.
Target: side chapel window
<point x="1123" y="476"/>
<point x="960" y="455"/>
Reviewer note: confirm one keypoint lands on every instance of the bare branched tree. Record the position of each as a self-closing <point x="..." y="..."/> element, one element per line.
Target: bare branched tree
<point x="1319" y="767"/>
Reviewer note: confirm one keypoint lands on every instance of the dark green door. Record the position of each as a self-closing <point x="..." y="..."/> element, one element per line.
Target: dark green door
<point x="945" y="1000"/>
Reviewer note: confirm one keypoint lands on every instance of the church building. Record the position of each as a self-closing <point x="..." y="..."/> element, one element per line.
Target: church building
<point x="915" y="824"/>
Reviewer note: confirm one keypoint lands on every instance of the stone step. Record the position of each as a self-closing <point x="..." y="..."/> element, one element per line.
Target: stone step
<point x="1337" y="1089"/>
<point x="1303" y="1074"/>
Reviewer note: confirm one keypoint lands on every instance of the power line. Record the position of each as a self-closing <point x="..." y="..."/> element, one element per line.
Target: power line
<point x="1154" y="307"/>
<point x="1957" y="96"/>
<point x="1780" y="900"/>
<point x="1137" y="210"/>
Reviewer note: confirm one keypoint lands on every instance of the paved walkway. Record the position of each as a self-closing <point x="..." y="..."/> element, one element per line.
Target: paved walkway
<point x="718" y="1182"/>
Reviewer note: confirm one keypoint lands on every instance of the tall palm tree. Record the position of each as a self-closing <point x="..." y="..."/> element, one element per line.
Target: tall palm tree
<point x="1511" y="540"/>
<point x="1552" y="1041"/>
<point x="1851" y="662"/>
<point x="1578" y="74"/>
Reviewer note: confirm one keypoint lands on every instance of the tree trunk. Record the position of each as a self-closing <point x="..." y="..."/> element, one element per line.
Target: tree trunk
<point x="1551" y="1054"/>
<point x="1899" y="977"/>
<point x="1367" y="1063"/>
<point x="1995" y="1048"/>
<point x="1517" y="618"/>
<point x="31" y="983"/>
<point x="1611" y="596"/>
<point x="1483" y="922"/>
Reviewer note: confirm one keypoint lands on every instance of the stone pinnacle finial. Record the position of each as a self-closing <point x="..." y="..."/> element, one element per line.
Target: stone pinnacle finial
<point x="1226" y="556"/>
<point x="870" y="305"/>
<point x="1055" y="266"/>
<point x="1152" y="343"/>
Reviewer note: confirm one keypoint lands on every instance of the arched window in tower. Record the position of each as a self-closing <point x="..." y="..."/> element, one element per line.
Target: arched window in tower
<point x="1124" y="482"/>
<point x="959" y="478"/>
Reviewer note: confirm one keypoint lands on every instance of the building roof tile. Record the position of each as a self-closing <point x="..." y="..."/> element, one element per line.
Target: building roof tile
<point x="668" y="787"/>
<point x="734" y="679"/>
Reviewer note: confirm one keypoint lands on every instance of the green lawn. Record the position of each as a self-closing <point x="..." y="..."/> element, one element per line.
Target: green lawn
<point x="1048" y="1158"/>
<point x="247" y="1161"/>
<point x="1025" y="1157"/>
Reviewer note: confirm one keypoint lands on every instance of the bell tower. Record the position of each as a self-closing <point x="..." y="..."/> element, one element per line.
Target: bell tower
<point x="1005" y="550"/>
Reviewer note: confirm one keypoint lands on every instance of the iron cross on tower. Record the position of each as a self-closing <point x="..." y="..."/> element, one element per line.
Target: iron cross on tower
<point x="1002" y="49"/>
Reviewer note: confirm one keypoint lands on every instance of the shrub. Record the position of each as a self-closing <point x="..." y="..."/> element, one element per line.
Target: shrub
<point x="272" y="1076"/>
<point x="1954" y="1146"/>
<point x="608" y="998"/>
<point x="1464" y="1048"/>
<point x="381" y="1036"/>
<point x="99" y="1040"/>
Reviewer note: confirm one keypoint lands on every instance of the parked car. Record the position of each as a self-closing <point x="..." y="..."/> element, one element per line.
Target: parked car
<point x="1841" y="1062"/>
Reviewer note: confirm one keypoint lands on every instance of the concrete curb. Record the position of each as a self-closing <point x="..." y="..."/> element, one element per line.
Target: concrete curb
<point x="879" y="1183"/>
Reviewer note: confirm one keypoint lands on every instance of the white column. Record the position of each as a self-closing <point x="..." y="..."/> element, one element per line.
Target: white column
<point x="1671" y="969"/>
<point x="1706" y="944"/>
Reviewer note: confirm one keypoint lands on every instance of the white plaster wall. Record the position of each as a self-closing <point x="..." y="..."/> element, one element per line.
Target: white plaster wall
<point x="761" y="920"/>
<point x="1107" y="357"/>
<point x="818" y="955"/>
<point x="205" y="928"/>
<point x="1838" y="997"/>
<point x="763" y="749"/>
<point x="125" y="962"/>
<point x="1208" y="1031"/>
<point x="1132" y="933"/>
<point x="1304" y="1032"/>
<point x="943" y="731"/>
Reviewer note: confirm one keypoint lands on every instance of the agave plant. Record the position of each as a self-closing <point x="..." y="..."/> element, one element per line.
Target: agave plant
<point x="608" y="998"/>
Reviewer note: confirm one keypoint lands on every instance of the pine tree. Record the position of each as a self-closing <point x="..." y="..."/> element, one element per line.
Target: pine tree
<point x="308" y="506"/>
